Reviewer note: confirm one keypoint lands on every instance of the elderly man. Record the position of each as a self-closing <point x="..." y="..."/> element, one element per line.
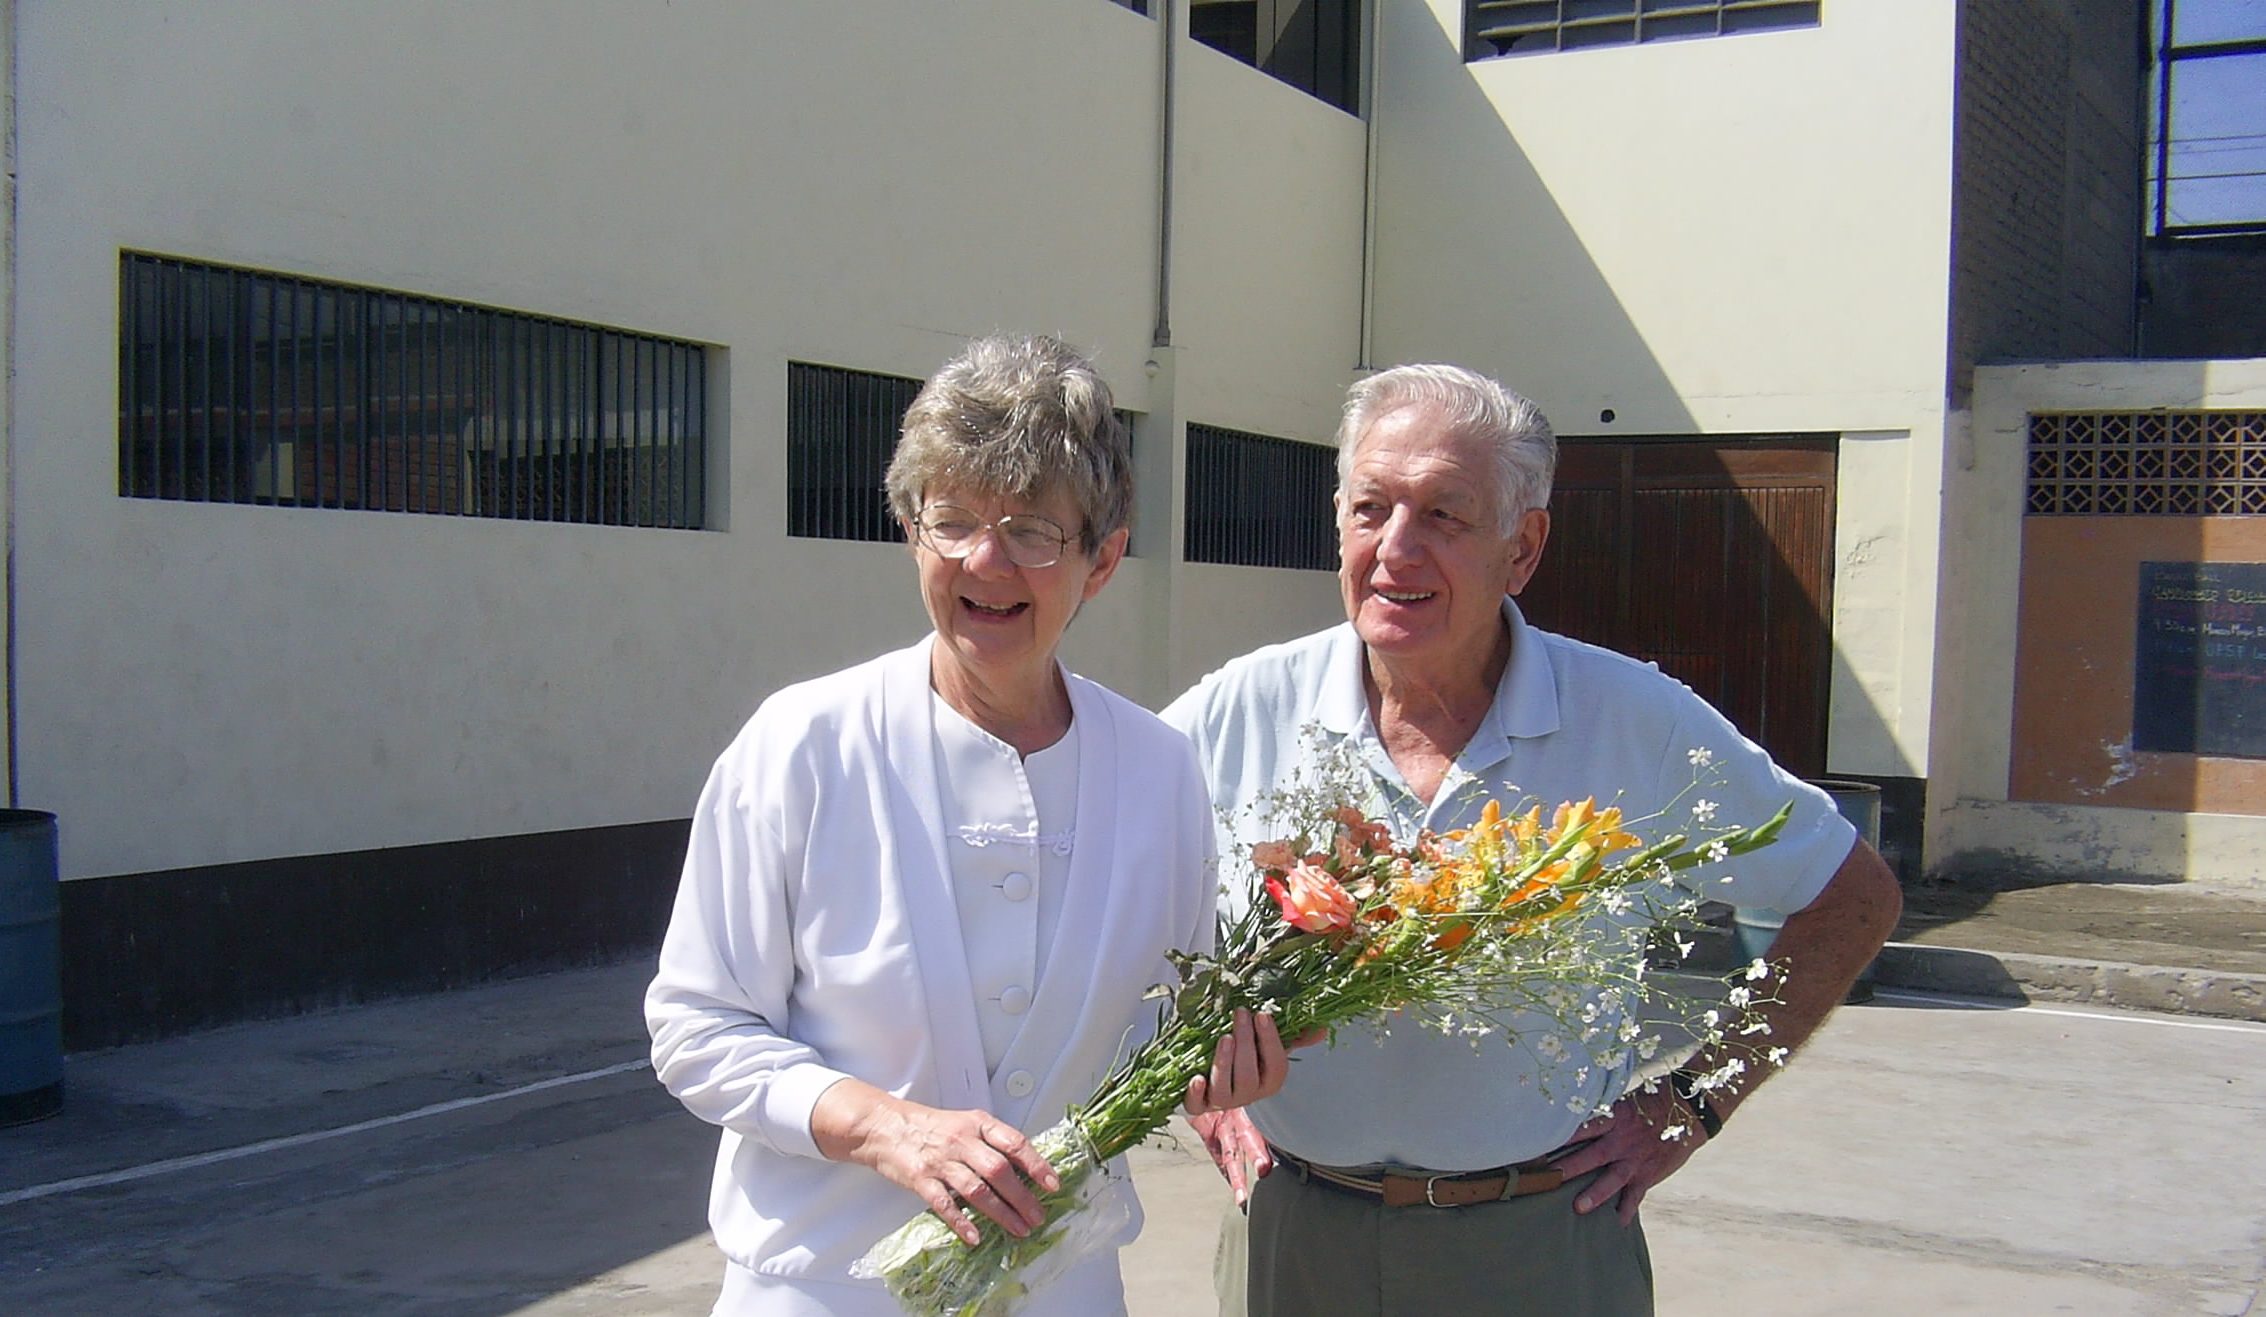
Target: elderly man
<point x="1447" y="698"/>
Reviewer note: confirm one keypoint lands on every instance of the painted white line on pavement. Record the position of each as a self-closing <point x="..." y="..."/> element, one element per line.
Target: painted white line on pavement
<point x="171" y="1164"/>
<point x="2005" y="1004"/>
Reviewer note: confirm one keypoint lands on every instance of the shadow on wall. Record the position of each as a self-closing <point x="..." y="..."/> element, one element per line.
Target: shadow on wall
<point x="1476" y="263"/>
<point x="1713" y="557"/>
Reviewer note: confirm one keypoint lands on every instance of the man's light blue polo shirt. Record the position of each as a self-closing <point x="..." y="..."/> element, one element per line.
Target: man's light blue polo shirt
<point x="1569" y="720"/>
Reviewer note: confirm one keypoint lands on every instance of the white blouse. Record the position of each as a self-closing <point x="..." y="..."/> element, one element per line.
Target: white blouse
<point x="1011" y="824"/>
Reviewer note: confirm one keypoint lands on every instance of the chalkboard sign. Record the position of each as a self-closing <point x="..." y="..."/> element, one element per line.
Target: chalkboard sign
<point x="2199" y="682"/>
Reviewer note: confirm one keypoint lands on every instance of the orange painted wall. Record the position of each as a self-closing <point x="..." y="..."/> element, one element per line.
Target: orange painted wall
<point x="2074" y="666"/>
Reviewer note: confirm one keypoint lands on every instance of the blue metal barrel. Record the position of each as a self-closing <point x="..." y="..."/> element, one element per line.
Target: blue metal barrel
<point x="31" y="980"/>
<point x="1859" y="802"/>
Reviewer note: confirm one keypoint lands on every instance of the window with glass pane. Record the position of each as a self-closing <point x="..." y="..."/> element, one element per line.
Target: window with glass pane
<point x="1314" y="45"/>
<point x="2208" y="166"/>
<point x="1536" y="27"/>
<point x="240" y="386"/>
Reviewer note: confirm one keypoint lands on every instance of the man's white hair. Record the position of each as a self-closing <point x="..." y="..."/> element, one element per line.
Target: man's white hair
<point x="1525" y="448"/>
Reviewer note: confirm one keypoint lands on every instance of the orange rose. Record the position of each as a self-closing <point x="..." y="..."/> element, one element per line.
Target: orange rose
<point x="1312" y="900"/>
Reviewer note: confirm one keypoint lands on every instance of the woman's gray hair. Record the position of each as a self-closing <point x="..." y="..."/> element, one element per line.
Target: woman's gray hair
<point x="1526" y="451"/>
<point x="1017" y="417"/>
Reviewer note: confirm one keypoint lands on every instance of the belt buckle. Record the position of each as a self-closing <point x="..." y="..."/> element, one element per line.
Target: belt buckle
<point x="1430" y="1200"/>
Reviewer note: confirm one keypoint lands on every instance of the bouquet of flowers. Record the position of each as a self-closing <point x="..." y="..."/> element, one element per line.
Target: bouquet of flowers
<point x="1456" y="928"/>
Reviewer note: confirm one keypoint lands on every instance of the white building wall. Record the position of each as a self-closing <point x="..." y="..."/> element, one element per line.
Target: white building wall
<point x="857" y="184"/>
<point x="1269" y="194"/>
<point x="1740" y="235"/>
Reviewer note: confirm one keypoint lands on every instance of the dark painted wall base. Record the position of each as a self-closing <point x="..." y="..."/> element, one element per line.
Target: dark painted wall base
<point x="152" y="954"/>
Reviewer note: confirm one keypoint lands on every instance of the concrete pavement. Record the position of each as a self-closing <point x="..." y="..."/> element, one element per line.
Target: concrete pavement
<point x="502" y="1150"/>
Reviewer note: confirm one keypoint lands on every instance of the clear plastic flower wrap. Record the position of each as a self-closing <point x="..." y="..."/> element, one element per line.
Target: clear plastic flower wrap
<point x="929" y="1270"/>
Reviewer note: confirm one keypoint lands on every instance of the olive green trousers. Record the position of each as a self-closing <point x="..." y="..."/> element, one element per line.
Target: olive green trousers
<point x="1314" y="1251"/>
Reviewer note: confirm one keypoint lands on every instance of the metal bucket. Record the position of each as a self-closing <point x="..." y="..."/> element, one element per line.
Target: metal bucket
<point x="31" y="980"/>
<point x="1859" y="802"/>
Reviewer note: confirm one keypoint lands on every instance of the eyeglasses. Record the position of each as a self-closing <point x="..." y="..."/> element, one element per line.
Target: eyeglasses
<point x="952" y="532"/>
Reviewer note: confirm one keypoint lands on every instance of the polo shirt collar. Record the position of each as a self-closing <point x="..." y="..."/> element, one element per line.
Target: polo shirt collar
<point x="1526" y="700"/>
<point x="1343" y="704"/>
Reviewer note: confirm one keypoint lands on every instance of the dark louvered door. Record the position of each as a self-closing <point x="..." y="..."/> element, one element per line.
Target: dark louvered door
<point x="1713" y="559"/>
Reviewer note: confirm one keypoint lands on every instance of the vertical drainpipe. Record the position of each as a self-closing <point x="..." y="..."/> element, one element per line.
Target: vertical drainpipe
<point x="1374" y="19"/>
<point x="8" y="396"/>
<point x="1161" y="336"/>
<point x="1162" y="462"/>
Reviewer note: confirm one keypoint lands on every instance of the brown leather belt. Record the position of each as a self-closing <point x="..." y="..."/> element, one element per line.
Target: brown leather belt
<point x="1460" y="1190"/>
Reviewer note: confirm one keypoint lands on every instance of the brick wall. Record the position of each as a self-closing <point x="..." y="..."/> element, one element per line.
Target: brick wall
<point x="2047" y="181"/>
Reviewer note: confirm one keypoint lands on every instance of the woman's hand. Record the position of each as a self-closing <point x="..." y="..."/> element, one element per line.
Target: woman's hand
<point x="1250" y="1063"/>
<point x="953" y="1160"/>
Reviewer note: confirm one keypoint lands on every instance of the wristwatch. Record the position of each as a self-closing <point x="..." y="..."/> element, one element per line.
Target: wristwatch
<point x="1686" y="1083"/>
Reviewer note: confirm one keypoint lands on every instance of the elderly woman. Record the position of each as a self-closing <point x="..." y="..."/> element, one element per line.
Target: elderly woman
<point x="924" y="895"/>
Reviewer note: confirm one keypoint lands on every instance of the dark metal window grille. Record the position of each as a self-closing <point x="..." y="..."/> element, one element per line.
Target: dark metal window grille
<point x="1258" y="501"/>
<point x="237" y="386"/>
<point x="1538" y="27"/>
<point x="842" y="425"/>
<point x="2207" y="169"/>
<point x="2147" y="464"/>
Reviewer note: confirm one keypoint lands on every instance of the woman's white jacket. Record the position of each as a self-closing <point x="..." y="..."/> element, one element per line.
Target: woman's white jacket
<point x="815" y="937"/>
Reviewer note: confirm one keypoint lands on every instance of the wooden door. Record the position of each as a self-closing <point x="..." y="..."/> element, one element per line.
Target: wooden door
<point x="1713" y="559"/>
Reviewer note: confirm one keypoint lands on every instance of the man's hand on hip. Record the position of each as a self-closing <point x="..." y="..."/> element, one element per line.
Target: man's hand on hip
<point x="1626" y="1149"/>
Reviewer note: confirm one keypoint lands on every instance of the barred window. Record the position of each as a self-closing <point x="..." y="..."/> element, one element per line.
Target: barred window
<point x="238" y="386"/>
<point x="1537" y="27"/>
<point x="842" y="428"/>
<point x="2147" y="464"/>
<point x="1258" y="501"/>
